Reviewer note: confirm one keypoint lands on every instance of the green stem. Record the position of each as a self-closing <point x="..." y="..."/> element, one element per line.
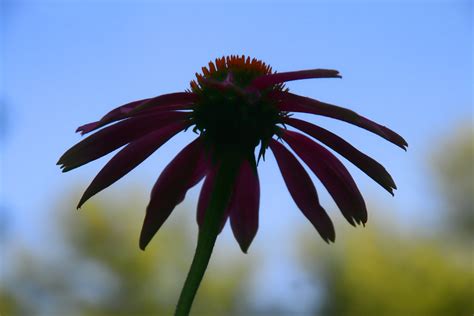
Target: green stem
<point x="208" y="232"/>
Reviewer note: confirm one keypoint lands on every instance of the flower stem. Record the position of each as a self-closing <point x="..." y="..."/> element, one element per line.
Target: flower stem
<point x="223" y="185"/>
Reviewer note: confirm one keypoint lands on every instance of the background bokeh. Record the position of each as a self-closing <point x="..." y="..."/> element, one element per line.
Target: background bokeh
<point x="405" y="64"/>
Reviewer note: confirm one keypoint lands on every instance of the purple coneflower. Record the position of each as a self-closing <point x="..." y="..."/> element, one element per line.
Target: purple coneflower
<point x="235" y="105"/>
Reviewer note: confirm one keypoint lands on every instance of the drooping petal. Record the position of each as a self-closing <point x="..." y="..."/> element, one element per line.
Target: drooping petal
<point x="332" y="173"/>
<point x="115" y="136"/>
<point x="244" y="206"/>
<point x="266" y="81"/>
<point x="205" y="196"/>
<point x="165" y="102"/>
<point x="182" y="173"/>
<point x="302" y="190"/>
<point x="295" y="103"/>
<point x="365" y="163"/>
<point x="130" y="157"/>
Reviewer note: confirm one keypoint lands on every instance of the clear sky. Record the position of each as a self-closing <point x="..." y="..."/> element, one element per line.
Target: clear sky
<point x="405" y="64"/>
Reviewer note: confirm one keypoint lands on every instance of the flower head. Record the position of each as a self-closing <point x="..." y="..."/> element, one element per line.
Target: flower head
<point x="235" y="105"/>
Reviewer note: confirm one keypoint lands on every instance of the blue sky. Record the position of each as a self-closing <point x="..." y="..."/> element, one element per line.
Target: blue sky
<point x="405" y="64"/>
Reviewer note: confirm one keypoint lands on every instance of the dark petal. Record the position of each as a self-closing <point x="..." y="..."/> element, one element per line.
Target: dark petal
<point x="115" y="136"/>
<point x="204" y="198"/>
<point x="177" y="98"/>
<point x="223" y="86"/>
<point x="130" y="157"/>
<point x="205" y="195"/>
<point x="266" y="81"/>
<point x="165" y="102"/>
<point x="368" y="165"/>
<point x="332" y="174"/>
<point x="244" y="206"/>
<point x="295" y="103"/>
<point x="147" y="112"/>
<point x="89" y="127"/>
<point x="302" y="191"/>
<point x="181" y="174"/>
<point x="112" y="116"/>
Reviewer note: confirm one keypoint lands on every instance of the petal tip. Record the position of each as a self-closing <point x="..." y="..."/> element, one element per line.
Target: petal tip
<point x="142" y="245"/>
<point x="403" y="144"/>
<point x="244" y="244"/>
<point x="391" y="192"/>
<point x="351" y="221"/>
<point x="144" y="240"/>
<point x="83" y="200"/>
<point x="332" y="236"/>
<point x="244" y="248"/>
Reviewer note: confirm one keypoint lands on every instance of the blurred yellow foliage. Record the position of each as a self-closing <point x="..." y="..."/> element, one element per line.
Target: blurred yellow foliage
<point x="377" y="273"/>
<point x="97" y="268"/>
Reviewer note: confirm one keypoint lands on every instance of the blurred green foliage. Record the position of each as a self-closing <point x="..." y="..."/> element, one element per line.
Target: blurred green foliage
<point x="96" y="268"/>
<point x="453" y="165"/>
<point x="377" y="272"/>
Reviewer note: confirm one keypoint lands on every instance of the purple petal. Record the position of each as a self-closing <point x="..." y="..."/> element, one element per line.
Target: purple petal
<point x="182" y="173"/>
<point x="205" y="195"/>
<point x="204" y="198"/>
<point x="332" y="174"/>
<point x="368" y="165"/>
<point x="302" y="190"/>
<point x="115" y="136"/>
<point x="165" y="102"/>
<point x="223" y="86"/>
<point x="295" y="103"/>
<point x="244" y="206"/>
<point x="112" y="116"/>
<point x="266" y="81"/>
<point x="130" y="157"/>
<point x="172" y="99"/>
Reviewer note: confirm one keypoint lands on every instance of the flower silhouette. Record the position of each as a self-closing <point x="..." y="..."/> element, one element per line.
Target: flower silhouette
<point x="234" y="106"/>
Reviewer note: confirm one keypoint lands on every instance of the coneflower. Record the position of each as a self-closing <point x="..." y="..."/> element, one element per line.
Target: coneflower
<point x="236" y="105"/>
